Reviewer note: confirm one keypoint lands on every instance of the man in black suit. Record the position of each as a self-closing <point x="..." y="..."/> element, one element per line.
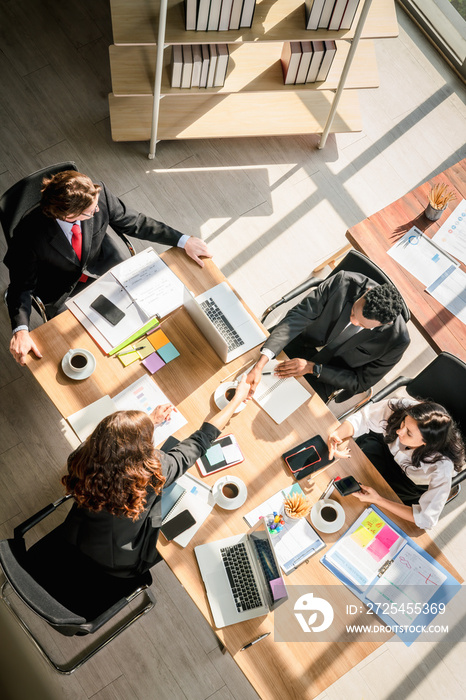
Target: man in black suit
<point x="346" y="334"/>
<point x="63" y="243"/>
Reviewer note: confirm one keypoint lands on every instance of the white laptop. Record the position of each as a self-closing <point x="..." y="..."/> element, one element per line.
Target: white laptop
<point x="241" y="576"/>
<point x="223" y="320"/>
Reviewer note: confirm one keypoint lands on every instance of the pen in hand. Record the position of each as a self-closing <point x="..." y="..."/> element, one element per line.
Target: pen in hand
<point x="254" y="641"/>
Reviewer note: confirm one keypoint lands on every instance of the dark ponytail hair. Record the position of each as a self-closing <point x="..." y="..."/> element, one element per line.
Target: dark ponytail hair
<point x="438" y="429"/>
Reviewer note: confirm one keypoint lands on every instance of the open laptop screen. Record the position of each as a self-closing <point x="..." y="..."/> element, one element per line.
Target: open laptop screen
<point x="276" y="589"/>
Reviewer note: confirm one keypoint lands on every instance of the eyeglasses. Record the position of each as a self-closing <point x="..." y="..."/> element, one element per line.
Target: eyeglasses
<point x="89" y="216"/>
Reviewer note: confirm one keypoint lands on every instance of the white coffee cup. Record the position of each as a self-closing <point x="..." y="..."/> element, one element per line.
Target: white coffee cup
<point x="78" y="360"/>
<point x="328" y="516"/>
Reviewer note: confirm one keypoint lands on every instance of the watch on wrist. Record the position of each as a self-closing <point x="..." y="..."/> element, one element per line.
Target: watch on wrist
<point x="317" y="370"/>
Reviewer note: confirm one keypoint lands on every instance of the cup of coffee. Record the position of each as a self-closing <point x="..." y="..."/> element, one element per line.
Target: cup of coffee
<point x="77" y="360"/>
<point x="328" y="513"/>
<point x="328" y="516"/>
<point x="230" y="490"/>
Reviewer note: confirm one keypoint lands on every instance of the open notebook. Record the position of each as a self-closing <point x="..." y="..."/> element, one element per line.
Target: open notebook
<point x="279" y="397"/>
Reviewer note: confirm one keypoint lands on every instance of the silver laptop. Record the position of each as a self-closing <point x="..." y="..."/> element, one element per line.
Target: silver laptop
<point x="241" y="576"/>
<point x="223" y="320"/>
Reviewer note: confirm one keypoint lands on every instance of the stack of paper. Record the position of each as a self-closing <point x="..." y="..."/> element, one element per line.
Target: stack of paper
<point x="143" y="287"/>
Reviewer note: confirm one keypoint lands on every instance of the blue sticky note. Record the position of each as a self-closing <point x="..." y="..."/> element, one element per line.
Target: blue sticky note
<point x="168" y="352"/>
<point x="215" y="455"/>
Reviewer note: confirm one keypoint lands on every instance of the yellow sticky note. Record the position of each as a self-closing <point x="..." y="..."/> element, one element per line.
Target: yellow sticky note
<point x="129" y="358"/>
<point x="362" y="537"/>
<point x="147" y="348"/>
<point x="158" y="339"/>
<point x="373" y="523"/>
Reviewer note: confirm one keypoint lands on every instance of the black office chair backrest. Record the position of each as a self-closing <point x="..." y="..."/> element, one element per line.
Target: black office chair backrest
<point x="354" y="261"/>
<point x="443" y="381"/>
<point x="24" y="195"/>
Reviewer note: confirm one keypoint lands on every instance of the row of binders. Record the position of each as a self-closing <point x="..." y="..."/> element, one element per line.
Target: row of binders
<point x="330" y="14"/>
<point x="218" y="15"/>
<point x="199" y="65"/>
<point x="307" y="61"/>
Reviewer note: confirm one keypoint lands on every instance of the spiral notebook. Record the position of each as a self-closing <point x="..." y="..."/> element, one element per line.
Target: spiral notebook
<point x="279" y="397"/>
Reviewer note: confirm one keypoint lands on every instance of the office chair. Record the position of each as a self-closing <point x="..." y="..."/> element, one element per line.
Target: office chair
<point x="66" y="589"/>
<point x="354" y="261"/>
<point x="23" y="196"/>
<point x="442" y="381"/>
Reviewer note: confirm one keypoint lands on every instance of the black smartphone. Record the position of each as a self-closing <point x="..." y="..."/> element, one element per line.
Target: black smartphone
<point x="308" y="457"/>
<point x="175" y="526"/>
<point x="347" y="485"/>
<point x="107" y="309"/>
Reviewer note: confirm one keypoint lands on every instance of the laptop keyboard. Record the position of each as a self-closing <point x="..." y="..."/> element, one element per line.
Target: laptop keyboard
<point x="241" y="578"/>
<point x="222" y="324"/>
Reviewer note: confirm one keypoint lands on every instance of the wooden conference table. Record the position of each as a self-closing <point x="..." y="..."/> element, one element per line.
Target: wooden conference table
<point x="376" y="234"/>
<point x="276" y="670"/>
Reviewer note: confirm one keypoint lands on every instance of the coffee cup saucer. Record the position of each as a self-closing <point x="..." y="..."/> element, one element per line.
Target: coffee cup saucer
<point x="85" y="372"/>
<point x="229" y="503"/>
<point x="321" y="524"/>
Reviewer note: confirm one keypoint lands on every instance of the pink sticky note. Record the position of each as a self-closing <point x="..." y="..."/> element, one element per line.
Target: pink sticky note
<point x="278" y="588"/>
<point x="377" y="550"/>
<point x="153" y="363"/>
<point x="387" y="536"/>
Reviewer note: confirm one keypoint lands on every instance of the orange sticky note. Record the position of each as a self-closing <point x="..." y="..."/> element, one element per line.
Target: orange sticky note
<point x="158" y="339"/>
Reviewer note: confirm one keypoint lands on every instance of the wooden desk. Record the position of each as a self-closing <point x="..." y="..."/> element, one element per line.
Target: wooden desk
<point x="379" y="232"/>
<point x="276" y="670"/>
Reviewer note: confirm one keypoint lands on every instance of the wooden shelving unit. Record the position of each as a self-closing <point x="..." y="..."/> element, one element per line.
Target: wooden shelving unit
<point x="254" y="101"/>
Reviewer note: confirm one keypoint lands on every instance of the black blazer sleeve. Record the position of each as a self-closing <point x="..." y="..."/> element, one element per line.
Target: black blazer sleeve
<point x="177" y="460"/>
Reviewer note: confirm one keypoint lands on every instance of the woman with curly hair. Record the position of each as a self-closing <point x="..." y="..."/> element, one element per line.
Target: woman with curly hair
<point x="415" y="446"/>
<point x="116" y="478"/>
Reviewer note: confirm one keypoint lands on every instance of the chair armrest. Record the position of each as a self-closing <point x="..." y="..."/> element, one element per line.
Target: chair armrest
<point x="395" y="384"/>
<point x="459" y="477"/>
<point x="303" y="287"/>
<point x="21" y="529"/>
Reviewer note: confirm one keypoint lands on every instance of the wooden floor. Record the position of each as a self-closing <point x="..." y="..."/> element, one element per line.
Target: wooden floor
<point x="270" y="209"/>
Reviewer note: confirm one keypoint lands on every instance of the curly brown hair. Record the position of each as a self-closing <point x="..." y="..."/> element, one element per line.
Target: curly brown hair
<point x="67" y="193"/>
<point x="114" y="467"/>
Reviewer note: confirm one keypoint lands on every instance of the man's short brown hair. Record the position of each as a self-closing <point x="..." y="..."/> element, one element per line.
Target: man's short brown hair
<point x="67" y="194"/>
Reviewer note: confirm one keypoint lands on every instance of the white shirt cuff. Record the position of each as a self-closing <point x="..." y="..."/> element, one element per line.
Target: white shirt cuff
<point x="268" y="353"/>
<point x="19" y="328"/>
<point x="182" y="242"/>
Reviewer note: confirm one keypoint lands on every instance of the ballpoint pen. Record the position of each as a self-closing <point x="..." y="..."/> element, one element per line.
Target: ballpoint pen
<point x="254" y="641"/>
<point x="127" y="352"/>
<point x="327" y="489"/>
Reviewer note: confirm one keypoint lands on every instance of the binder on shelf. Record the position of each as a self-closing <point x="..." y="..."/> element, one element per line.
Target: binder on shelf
<point x="191" y="14"/>
<point x="329" y="55"/>
<point x="205" y="65"/>
<point x="222" y="64"/>
<point x="350" y="12"/>
<point x="388" y="571"/>
<point x="225" y="14"/>
<point x="176" y="65"/>
<point x="337" y="15"/>
<point x="305" y="62"/>
<point x="214" y="15"/>
<point x="236" y="11"/>
<point x="212" y="65"/>
<point x="290" y="58"/>
<point x="197" y="65"/>
<point x="187" y="72"/>
<point x="327" y="10"/>
<point x="202" y="15"/>
<point x="313" y="9"/>
<point x="318" y="49"/>
<point x="247" y="14"/>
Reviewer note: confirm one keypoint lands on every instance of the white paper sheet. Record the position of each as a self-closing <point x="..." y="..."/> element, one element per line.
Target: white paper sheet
<point x="451" y="235"/>
<point x="451" y="293"/>
<point x="84" y="421"/>
<point x="145" y="395"/>
<point x="151" y="283"/>
<point x="416" y="253"/>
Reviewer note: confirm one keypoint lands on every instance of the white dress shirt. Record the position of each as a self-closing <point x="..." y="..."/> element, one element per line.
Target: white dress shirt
<point x="437" y="476"/>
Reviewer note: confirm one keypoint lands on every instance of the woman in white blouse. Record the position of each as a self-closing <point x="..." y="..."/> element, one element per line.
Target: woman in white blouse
<point x="415" y="446"/>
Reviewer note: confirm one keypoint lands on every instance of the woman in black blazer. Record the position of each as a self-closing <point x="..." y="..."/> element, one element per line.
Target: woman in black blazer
<point x="116" y="478"/>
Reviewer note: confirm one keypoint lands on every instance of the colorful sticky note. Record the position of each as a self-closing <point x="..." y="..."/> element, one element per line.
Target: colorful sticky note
<point x="362" y="537"/>
<point x="377" y="549"/>
<point x="215" y="455"/>
<point x="373" y="523"/>
<point x="147" y="348"/>
<point x="157" y="339"/>
<point x="129" y="358"/>
<point x="168" y="352"/>
<point x="153" y="363"/>
<point x="387" y="536"/>
<point x="277" y="586"/>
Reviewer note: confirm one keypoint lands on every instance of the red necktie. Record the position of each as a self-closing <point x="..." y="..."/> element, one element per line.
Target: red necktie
<point x="77" y="243"/>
